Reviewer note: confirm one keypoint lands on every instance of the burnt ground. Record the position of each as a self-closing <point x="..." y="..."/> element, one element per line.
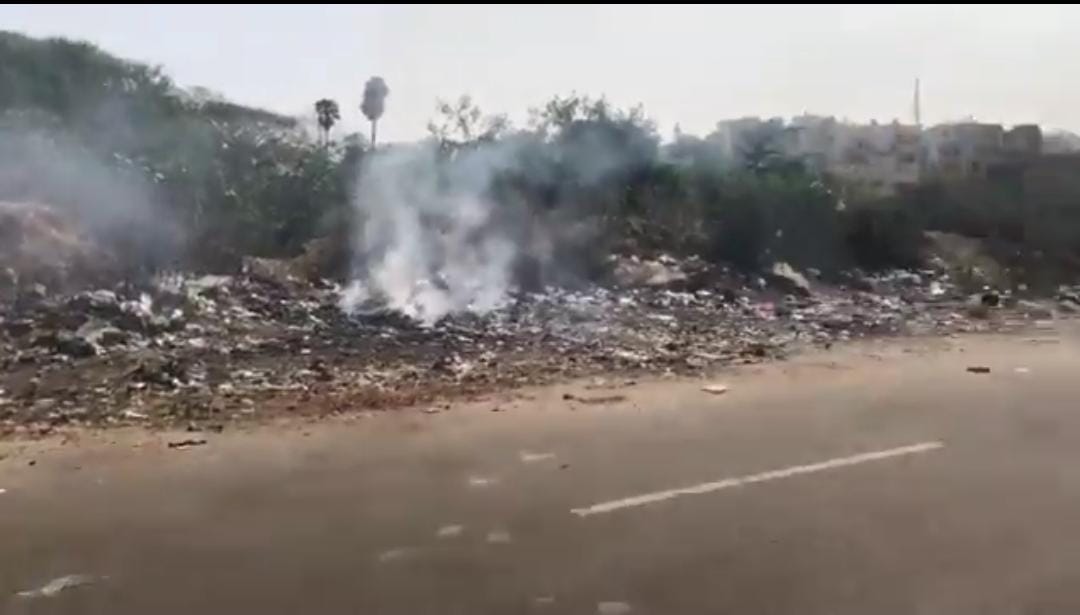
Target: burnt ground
<point x="208" y="351"/>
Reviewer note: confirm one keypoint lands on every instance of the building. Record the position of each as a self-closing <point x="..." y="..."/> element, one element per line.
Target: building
<point x="971" y="149"/>
<point x="877" y="159"/>
<point x="1023" y="140"/>
<point x="883" y="159"/>
<point x="732" y="137"/>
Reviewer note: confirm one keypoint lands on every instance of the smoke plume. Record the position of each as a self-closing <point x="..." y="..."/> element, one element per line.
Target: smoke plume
<point x="461" y="228"/>
<point x="430" y="240"/>
<point x="115" y="205"/>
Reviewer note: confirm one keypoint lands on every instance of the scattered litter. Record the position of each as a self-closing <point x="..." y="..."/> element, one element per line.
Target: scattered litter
<point x="544" y="600"/>
<point x="481" y="481"/>
<point x="715" y="389"/>
<point x="612" y="608"/>
<point x="498" y="537"/>
<point x="527" y="457"/>
<point x="179" y="348"/>
<point x="603" y="399"/>
<point x="978" y="369"/>
<point x="2" y="491"/>
<point x="58" y="585"/>
<point x="187" y="443"/>
<point x="1022" y="370"/>
<point x="450" y="531"/>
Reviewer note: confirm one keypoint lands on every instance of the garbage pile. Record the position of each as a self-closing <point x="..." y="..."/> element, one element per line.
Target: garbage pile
<point x="38" y="246"/>
<point x="208" y="350"/>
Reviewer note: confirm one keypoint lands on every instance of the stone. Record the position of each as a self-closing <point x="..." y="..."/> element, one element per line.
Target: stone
<point x="789" y="280"/>
<point x="74" y="346"/>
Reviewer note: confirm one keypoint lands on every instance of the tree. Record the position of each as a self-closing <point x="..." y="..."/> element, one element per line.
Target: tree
<point x="462" y="124"/>
<point x="328" y="114"/>
<point x="374" y="104"/>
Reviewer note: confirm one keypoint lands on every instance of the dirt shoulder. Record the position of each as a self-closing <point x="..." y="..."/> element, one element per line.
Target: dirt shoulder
<point x="522" y="409"/>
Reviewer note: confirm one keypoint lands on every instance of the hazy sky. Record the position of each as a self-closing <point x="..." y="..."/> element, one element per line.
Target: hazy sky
<point x="686" y="64"/>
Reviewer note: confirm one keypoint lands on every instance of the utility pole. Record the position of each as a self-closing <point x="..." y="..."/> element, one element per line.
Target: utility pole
<point x="918" y="105"/>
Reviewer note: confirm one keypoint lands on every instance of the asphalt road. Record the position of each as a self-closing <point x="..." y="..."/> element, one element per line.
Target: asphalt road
<point x="878" y="479"/>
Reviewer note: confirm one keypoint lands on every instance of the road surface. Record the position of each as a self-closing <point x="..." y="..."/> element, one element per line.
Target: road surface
<point x="882" y="478"/>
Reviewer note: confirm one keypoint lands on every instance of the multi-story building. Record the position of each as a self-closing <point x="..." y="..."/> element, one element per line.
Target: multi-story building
<point x="972" y="149"/>
<point x="882" y="159"/>
<point x="878" y="159"/>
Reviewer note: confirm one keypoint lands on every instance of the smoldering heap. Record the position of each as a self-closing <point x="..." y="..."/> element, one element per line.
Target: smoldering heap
<point x="207" y="350"/>
<point x="432" y="241"/>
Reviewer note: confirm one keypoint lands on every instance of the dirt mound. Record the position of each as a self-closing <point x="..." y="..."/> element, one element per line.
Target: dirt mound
<point x="38" y="245"/>
<point x="968" y="260"/>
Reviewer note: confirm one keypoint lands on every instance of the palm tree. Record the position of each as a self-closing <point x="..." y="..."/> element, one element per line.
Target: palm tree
<point x="374" y="104"/>
<point x="328" y="114"/>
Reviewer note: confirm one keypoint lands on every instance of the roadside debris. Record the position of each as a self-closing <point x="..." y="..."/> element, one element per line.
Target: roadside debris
<point x="790" y="280"/>
<point x="182" y="349"/>
<point x="187" y="443"/>
<point x="527" y="457"/>
<point x="54" y="587"/>
<point x="978" y="369"/>
<point x="598" y="400"/>
<point x="715" y="389"/>
<point x="1022" y="370"/>
<point x="481" y="481"/>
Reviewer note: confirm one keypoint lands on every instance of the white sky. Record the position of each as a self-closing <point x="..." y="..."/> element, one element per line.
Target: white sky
<point x="687" y="64"/>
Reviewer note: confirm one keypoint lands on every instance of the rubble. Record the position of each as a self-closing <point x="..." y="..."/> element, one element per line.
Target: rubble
<point x="205" y="350"/>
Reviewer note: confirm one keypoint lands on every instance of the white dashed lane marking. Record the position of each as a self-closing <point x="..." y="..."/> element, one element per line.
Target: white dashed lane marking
<point x="728" y="483"/>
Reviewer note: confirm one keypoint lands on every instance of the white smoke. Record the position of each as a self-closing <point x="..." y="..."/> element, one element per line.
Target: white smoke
<point x="439" y="234"/>
<point x="429" y="241"/>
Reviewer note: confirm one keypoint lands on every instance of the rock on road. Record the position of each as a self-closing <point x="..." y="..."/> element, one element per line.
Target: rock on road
<point x="880" y="478"/>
